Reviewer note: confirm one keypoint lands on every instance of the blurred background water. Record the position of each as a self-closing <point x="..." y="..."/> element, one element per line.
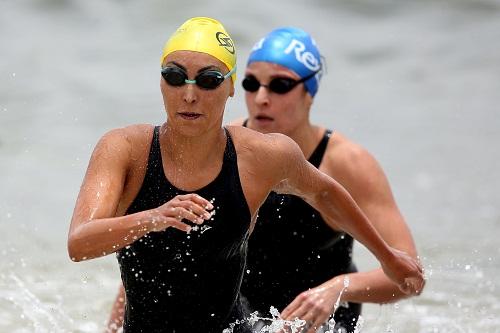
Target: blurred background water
<point x="415" y="82"/>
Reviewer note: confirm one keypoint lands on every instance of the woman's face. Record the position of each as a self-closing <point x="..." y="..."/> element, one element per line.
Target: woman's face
<point x="272" y="112"/>
<point x="190" y="108"/>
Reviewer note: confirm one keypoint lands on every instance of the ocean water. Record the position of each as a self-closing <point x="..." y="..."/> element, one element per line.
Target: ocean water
<point x="415" y="82"/>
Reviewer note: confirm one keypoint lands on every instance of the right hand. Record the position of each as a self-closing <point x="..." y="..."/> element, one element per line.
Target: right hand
<point x="191" y="207"/>
<point x="315" y="305"/>
<point x="405" y="271"/>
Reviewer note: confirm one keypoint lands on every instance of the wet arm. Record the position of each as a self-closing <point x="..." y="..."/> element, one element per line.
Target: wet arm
<point x="341" y="212"/>
<point x="117" y="312"/>
<point x="94" y="230"/>
<point x="362" y="175"/>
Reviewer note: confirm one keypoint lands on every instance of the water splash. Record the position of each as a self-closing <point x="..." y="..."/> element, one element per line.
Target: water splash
<point x="331" y="321"/>
<point x="278" y="324"/>
<point x="43" y="317"/>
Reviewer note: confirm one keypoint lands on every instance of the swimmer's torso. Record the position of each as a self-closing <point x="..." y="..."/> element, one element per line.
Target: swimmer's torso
<point x="178" y="282"/>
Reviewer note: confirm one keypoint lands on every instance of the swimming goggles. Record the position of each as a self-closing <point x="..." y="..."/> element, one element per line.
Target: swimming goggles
<point x="208" y="80"/>
<point x="279" y="85"/>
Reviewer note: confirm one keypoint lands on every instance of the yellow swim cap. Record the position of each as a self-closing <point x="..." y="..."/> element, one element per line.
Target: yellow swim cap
<point x="206" y="35"/>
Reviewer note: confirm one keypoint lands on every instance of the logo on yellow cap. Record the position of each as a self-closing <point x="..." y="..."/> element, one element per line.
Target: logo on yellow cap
<point x="225" y="41"/>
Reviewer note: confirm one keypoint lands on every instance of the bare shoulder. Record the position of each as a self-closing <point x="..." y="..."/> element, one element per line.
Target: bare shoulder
<point x="132" y="134"/>
<point x="269" y="145"/>
<point x="270" y="156"/>
<point x="345" y="153"/>
<point x="124" y="146"/>
<point x="126" y="139"/>
<point x="351" y="164"/>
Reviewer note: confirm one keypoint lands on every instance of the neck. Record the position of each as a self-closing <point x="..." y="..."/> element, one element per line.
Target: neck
<point x="191" y="152"/>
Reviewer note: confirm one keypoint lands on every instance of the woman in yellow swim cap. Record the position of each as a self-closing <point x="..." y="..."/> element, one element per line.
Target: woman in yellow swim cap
<point x="178" y="202"/>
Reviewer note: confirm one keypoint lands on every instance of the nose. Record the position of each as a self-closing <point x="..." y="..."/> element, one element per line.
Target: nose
<point x="262" y="96"/>
<point x="190" y="94"/>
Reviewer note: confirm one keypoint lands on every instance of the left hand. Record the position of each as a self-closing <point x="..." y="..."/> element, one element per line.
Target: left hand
<point x="405" y="271"/>
<point x="315" y="305"/>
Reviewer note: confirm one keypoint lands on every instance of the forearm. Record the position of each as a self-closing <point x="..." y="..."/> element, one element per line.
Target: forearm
<point x="371" y="287"/>
<point x="100" y="237"/>
<point x="351" y="219"/>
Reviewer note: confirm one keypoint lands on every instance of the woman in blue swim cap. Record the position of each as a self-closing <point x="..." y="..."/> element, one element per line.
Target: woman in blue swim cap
<point x="296" y="262"/>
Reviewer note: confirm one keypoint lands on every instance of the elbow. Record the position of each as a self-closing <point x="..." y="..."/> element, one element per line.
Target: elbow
<point x="74" y="249"/>
<point x="72" y="252"/>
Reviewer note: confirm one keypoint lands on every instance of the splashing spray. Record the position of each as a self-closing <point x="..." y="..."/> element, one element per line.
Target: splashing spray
<point x="278" y="324"/>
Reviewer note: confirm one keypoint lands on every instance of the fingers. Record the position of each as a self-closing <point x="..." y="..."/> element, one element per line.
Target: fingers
<point x="407" y="272"/>
<point x="313" y="327"/>
<point x="204" y="203"/>
<point x="181" y="212"/>
<point x="310" y="307"/>
<point x="194" y="204"/>
<point x="313" y="322"/>
<point x="302" y="312"/>
<point x="162" y="223"/>
<point x="412" y="286"/>
<point x="175" y="223"/>
<point x="195" y="209"/>
<point x="292" y="307"/>
<point x="297" y="309"/>
<point x="315" y="319"/>
<point x="416" y="283"/>
<point x="190" y="207"/>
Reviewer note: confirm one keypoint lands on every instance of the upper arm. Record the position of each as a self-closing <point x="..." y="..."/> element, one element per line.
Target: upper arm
<point x="298" y="176"/>
<point x="274" y="162"/>
<point x="360" y="173"/>
<point x="104" y="180"/>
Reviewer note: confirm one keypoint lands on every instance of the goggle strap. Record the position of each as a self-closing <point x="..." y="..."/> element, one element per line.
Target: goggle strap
<point x="230" y="72"/>
<point x="304" y="79"/>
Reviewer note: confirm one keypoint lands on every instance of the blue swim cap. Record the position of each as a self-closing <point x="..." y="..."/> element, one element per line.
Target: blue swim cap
<point x="294" y="49"/>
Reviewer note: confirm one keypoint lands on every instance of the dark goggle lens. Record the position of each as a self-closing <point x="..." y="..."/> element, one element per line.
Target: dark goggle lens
<point x="206" y="80"/>
<point x="250" y="84"/>
<point x="174" y="76"/>
<point x="282" y="85"/>
<point x="209" y="79"/>
<point x="277" y="85"/>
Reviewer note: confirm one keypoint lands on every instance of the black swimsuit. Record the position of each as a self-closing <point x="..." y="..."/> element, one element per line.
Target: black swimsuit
<point x="178" y="282"/>
<point x="292" y="249"/>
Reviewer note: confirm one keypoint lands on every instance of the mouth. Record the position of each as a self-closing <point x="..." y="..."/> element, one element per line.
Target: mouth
<point x="263" y="119"/>
<point x="189" y="115"/>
